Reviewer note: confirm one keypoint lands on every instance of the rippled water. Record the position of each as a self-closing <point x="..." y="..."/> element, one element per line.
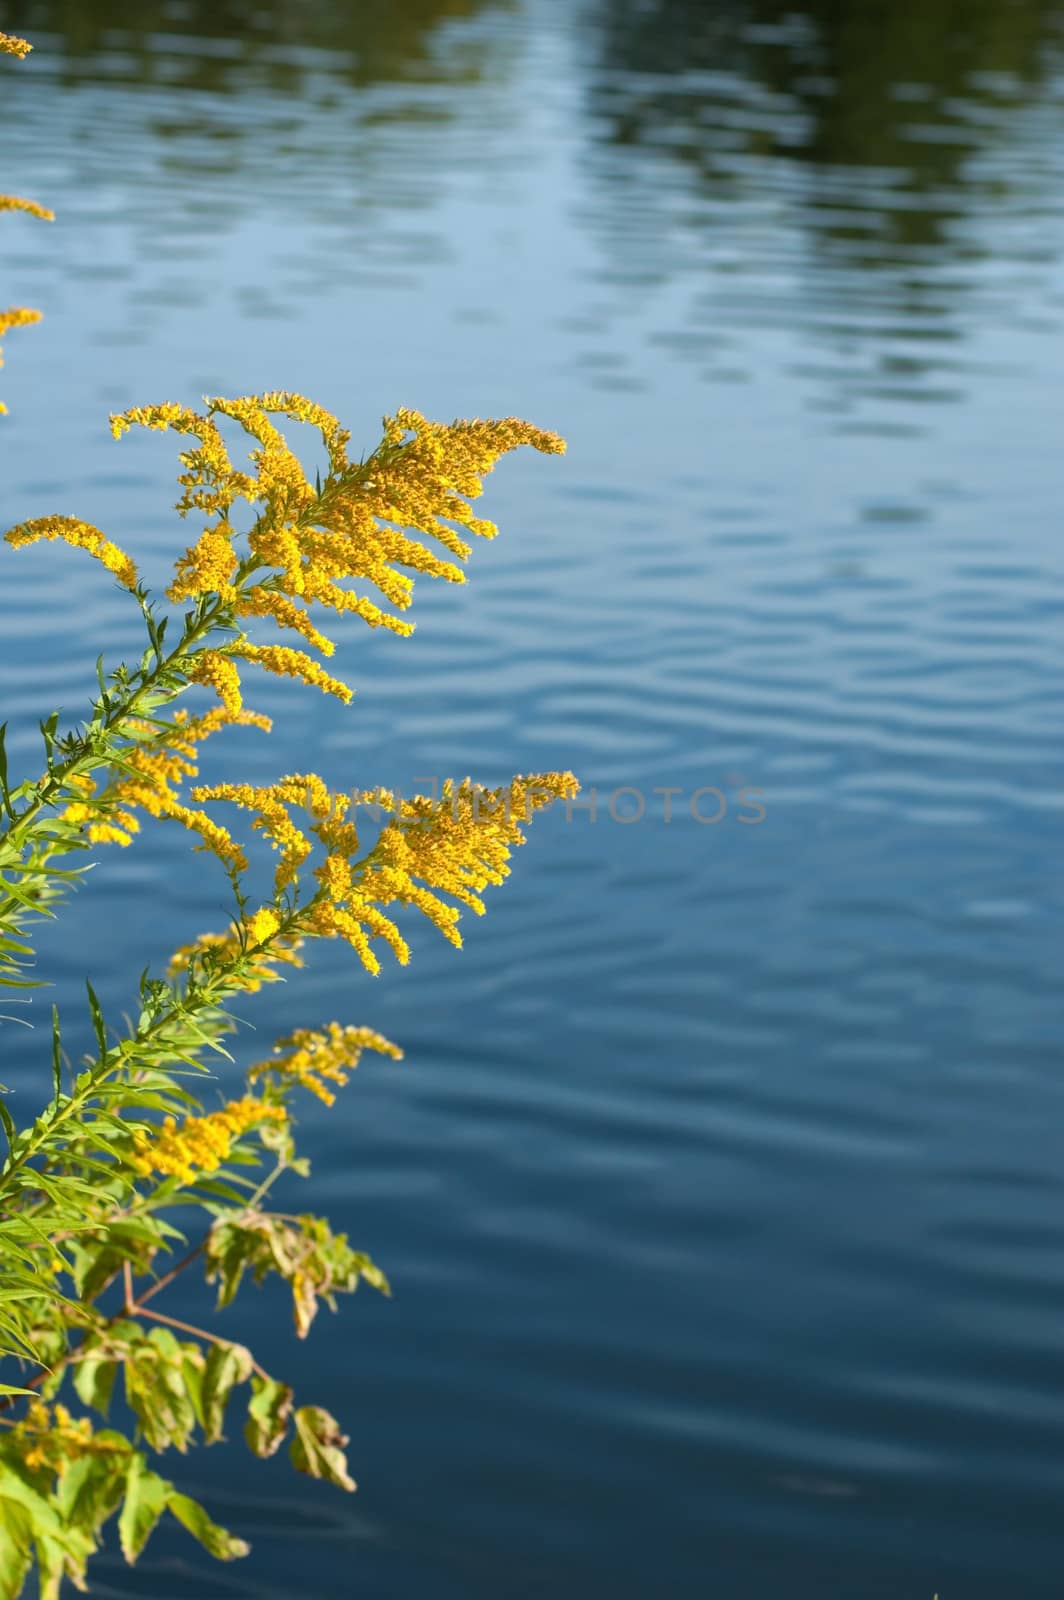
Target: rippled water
<point x="721" y="1188"/>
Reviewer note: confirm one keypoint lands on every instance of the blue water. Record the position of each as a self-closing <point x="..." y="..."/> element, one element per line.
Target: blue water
<point x="722" y="1186"/>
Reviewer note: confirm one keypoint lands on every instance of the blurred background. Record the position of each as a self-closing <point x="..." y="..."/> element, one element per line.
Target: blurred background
<point x="721" y="1188"/>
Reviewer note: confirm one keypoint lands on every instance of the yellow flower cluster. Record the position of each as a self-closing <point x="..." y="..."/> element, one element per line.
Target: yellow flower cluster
<point x="456" y="845"/>
<point x="307" y="541"/>
<point x="260" y="929"/>
<point x="272" y="805"/>
<point x="459" y="844"/>
<point x="50" y="1437"/>
<point x="13" y="202"/>
<point x="149" y="775"/>
<point x="217" y="672"/>
<point x="82" y="535"/>
<point x="315" y="1058"/>
<point x="18" y="316"/>
<point x="201" y="1143"/>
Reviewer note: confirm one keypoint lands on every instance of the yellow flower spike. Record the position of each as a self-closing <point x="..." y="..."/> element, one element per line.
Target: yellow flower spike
<point x="281" y="479"/>
<point x="81" y="535"/>
<point x="149" y="779"/>
<point x="219" y="673"/>
<point x="273" y="820"/>
<point x="457" y="845"/>
<point x="202" y="1143"/>
<point x="313" y="1058"/>
<point x="327" y="921"/>
<point x="210" y="482"/>
<point x="12" y="46"/>
<point x="260" y="602"/>
<point x="300" y="409"/>
<point x="107" y="833"/>
<point x="214" y="836"/>
<point x="13" y="202"/>
<point x="262" y="925"/>
<point x="284" y="662"/>
<point x="195" y="729"/>
<point x="315" y="589"/>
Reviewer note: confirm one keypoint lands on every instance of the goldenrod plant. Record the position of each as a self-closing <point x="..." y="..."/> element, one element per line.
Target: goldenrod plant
<point x="18" y="316"/>
<point x="142" y="1163"/>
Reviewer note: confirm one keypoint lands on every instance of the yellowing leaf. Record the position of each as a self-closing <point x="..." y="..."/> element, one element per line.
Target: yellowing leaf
<point x="145" y="1502"/>
<point x="318" y="1447"/>
<point x="227" y="1365"/>
<point x="269" y="1409"/>
<point x="216" y="1541"/>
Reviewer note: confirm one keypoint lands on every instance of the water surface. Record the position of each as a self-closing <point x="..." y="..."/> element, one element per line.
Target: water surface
<point x="722" y="1186"/>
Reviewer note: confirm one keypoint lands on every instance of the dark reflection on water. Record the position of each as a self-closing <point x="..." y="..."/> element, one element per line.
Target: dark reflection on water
<point x="370" y="42"/>
<point x="722" y="1186"/>
<point x="883" y="138"/>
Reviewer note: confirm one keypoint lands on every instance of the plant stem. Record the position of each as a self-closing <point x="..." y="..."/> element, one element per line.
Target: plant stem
<point x="202" y="1333"/>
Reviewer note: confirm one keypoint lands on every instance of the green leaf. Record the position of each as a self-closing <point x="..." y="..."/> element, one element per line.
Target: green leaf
<point x="16" y="1547"/>
<point x="48" y="728"/>
<point x="91" y="1489"/>
<point x="318" y="1447"/>
<point x="52" y="1567"/>
<point x="94" y="1268"/>
<point x="94" y="1379"/>
<point x="216" y="1541"/>
<point x="157" y="1393"/>
<point x="97" y="1019"/>
<point x="269" y="1409"/>
<point x="193" y="1366"/>
<point x="57" y="1075"/>
<point x="145" y="1502"/>
<point x="227" y="1365"/>
<point x="5" y="793"/>
<point x="8" y="1125"/>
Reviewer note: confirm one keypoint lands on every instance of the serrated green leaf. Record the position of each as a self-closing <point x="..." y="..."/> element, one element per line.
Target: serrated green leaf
<point x="219" y="1543"/>
<point x="145" y="1502"/>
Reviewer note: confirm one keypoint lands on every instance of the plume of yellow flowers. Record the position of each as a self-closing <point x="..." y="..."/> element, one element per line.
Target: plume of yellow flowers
<point x="18" y="316"/>
<point x="456" y="845"/>
<point x="13" y="202"/>
<point x="271" y="805"/>
<point x="81" y="535"/>
<point x="314" y="1058"/>
<point x="201" y="1143"/>
<point x="309" y="540"/>
<point x="306" y="542"/>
